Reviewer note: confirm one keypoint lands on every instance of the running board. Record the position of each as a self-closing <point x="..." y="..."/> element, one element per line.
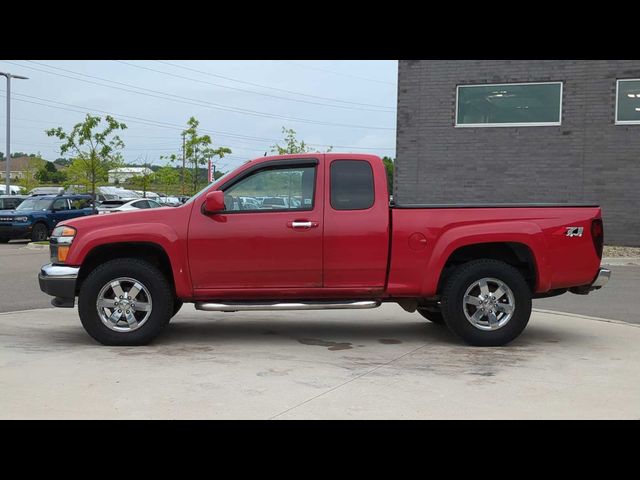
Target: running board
<point x="257" y="306"/>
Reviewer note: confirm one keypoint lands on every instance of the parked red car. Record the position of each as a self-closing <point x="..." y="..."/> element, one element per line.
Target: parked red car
<point x="335" y="242"/>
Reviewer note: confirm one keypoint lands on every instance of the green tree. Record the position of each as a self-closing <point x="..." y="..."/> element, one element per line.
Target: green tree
<point x="388" y="166"/>
<point x="292" y="145"/>
<point x="199" y="149"/>
<point x="48" y="173"/>
<point x="167" y="177"/>
<point x="96" y="148"/>
<point x="29" y="179"/>
<point x="144" y="180"/>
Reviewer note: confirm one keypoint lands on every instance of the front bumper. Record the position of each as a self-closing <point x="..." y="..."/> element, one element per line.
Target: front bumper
<point x="15" y="231"/>
<point x="603" y="276"/>
<point x="59" y="281"/>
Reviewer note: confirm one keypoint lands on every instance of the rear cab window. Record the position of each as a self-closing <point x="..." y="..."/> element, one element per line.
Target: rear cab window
<point x="352" y="185"/>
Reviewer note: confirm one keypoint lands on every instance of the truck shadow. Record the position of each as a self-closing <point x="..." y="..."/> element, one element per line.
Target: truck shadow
<point x="332" y="335"/>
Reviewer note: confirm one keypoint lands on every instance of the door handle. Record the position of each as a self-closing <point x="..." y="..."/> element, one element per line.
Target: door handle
<point x="302" y="225"/>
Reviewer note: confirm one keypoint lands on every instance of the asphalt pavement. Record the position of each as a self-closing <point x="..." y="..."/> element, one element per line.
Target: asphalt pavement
<point x="19" y="267"/>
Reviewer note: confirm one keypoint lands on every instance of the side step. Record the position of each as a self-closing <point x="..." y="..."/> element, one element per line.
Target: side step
<point x="310" y="305"/>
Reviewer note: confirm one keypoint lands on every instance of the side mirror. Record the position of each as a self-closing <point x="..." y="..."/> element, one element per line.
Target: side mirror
<point x="214" y="202"/>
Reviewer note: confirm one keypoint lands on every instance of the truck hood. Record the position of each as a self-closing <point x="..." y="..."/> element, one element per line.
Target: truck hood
<point x="11" y="213"/>
<point x="152" y="215"/>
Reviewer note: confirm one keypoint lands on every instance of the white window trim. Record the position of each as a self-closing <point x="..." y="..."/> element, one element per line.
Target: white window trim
<point x="624" y="122"/>
<point x="526" y="124"/>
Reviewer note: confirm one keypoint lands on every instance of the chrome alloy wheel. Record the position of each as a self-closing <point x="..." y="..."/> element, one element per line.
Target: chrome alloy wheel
<point x="124" y="304"/>
<point x="489" y="304"/>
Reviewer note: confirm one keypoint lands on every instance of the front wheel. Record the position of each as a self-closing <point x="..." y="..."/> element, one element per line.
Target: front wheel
<point x="39" y="233"/>
<point x="486" y="303"/>
<point x="125" y="301"/>
<point x="432" y="315"/>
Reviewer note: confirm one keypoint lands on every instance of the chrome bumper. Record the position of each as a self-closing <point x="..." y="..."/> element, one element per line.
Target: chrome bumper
<point x="59" y="281"/>
<point x="601" y="280"/>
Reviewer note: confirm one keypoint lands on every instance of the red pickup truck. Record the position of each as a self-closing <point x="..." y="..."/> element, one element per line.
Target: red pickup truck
<point x="318" y="231"/>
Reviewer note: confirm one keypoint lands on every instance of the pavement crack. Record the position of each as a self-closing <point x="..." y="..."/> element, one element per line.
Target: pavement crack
<point x="378" y="367"/>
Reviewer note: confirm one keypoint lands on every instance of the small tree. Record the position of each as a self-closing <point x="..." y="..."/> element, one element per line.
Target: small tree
<point x="292" y="145"/>
<point x="96" y="149"/>
<point x="144" y="180"/>
<point x="48" y="173"/>
<point x="29" y="179"/>
<point x="388" y="166"/>
<point x="166" y="177"/>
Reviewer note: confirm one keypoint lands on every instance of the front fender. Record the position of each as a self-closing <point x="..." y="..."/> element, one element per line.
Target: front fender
<point x="159" y="234"/>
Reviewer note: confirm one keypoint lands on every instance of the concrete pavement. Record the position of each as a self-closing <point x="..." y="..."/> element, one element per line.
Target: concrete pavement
<point x="382" y="363"/>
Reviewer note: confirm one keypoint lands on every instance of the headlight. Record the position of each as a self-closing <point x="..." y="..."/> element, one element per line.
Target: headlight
<point x="61" y="240"/>
<point x="20" y="219"/>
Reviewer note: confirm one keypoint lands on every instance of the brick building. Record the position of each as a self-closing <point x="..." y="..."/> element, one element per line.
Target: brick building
<point x="507" y="131"/>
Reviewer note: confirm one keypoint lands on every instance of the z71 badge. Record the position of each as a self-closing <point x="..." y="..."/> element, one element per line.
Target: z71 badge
<point x="574" y="231"/>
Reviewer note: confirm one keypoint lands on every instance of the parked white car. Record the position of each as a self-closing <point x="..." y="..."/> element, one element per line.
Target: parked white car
<point x="152" y="195"/>
<point x="111" y="206"/>
<point x="170" y="201"/>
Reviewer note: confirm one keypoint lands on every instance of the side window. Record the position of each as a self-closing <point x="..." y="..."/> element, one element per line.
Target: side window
<point x="351" y="185"/>
<point x="60" y="204"/>
<point x="80" y="203"/>
<point x="273" y="189"/>
<point x="141" y="204"/>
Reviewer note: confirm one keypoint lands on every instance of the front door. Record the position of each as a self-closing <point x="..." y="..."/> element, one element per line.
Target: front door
<point x="268" y="237"/>
<point x="61" y="210"/>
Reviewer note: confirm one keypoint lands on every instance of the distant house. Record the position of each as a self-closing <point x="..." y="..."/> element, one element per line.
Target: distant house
<point x="20" y="167"/>
<point x="121" y="175"/>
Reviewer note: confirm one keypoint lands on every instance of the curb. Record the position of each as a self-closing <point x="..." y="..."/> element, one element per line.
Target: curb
<point x="586" y="317"/>
<point x="34" y="246"/>
<point x="621" y="261"/>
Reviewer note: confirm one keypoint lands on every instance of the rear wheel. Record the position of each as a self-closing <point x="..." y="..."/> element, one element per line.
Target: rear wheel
<point x="39" y="233"/>
<point x="486" y="303"/>
<point x="125" y="301"/>
<point x="4" y="240"/>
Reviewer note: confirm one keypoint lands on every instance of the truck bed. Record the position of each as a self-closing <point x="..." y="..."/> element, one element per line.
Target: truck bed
<point x="425" y="237"/>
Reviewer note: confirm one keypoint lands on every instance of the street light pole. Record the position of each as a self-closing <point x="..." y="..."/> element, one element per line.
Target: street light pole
<point x="8" y="152"/>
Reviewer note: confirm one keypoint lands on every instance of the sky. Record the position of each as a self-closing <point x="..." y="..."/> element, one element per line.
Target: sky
<point x="243" y="105"/>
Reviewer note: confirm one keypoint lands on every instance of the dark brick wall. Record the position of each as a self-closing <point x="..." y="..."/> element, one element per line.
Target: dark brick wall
<point x="586" y="159"/>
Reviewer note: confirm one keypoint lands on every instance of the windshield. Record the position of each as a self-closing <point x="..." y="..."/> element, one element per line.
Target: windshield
<point x="35" y="204"/>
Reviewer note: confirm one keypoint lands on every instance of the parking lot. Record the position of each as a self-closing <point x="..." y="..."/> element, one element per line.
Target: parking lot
<point x="382" y="363"/>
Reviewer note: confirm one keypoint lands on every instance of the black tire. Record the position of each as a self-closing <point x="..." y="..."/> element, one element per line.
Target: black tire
<point x="453" y="302"/>
<point x="39" y="233"/>
<point x="4" y="240"/>
<point x="431" y="315"/>
<point x="162" y="297"/>
<point x="177" y="305"/>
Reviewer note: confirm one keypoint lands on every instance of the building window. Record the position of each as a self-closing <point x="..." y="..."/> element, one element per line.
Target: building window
<point x="509" y="105"/>
<point x="628" y="102"/>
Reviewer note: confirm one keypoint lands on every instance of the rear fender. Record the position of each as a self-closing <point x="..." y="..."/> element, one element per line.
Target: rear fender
<point x="528" y="234"/>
